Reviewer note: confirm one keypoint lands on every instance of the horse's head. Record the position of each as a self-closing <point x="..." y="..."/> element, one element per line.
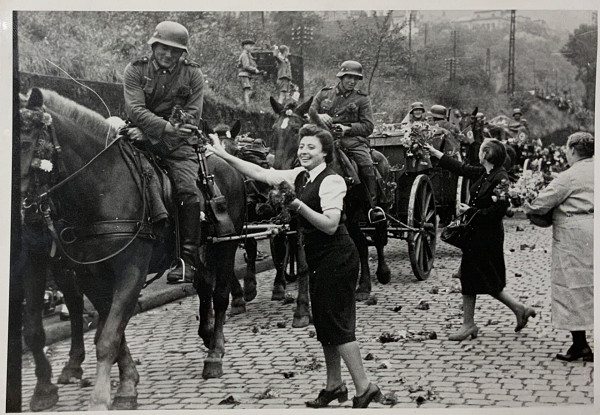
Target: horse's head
<point x="290" y="118"/>
<point x="225" y="133"/>
<point x="37" y="149"/>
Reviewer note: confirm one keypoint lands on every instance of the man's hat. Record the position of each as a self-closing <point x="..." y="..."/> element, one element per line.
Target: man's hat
<point x="248" y="42"/>
<point x="517" y="111"/>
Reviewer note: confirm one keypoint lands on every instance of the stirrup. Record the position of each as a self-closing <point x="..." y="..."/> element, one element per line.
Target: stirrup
<point x="374" y="212"/>
<point x="183" y="265"/>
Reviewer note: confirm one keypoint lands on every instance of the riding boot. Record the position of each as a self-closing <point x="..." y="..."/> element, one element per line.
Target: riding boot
<point x="189" y="237"/>
<point x="376" y="214"/>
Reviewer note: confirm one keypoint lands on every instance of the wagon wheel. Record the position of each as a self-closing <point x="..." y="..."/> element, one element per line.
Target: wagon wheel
<point x="462" y="192"/>
<point x="422" y="216"/>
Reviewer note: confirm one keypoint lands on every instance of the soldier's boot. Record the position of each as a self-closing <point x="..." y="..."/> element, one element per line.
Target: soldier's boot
<point x="189" y="236"/>
<point x="376" y="213"/>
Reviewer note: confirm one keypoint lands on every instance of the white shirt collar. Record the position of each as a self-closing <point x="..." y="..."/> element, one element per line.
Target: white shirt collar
<point x="312" y="174"/>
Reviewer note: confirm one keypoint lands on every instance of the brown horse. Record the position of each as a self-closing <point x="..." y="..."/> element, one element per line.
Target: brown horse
<point x="285" y="143"/>
<point x="98" y="215"/>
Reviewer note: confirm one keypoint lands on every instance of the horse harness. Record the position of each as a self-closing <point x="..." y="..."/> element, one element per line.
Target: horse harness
<point x="38" y="201"/>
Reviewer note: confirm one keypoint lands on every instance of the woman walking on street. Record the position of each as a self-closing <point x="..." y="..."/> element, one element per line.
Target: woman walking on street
<point x="482" y="265"/>
<point x="571" y="197"/>
<point x="331" y="256"/>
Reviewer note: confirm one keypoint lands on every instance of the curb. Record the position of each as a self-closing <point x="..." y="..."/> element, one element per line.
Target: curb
<point x="155" y="295"/>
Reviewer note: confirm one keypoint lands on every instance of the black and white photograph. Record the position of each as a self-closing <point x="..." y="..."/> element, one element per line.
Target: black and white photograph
<point x="245" y="208"/>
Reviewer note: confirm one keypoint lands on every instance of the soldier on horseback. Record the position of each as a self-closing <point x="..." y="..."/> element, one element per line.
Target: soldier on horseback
<point x="346" y="111"/>
<point x="153" y="87"/>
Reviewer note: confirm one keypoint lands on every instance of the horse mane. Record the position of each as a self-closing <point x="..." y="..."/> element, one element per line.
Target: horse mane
<point x="84" y="117"/>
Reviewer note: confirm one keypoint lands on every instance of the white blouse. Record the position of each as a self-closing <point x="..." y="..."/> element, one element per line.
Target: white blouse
<point x="332" y="190"/>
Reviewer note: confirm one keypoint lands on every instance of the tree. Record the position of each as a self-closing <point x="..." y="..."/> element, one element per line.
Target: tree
<point x="581" y="50"/>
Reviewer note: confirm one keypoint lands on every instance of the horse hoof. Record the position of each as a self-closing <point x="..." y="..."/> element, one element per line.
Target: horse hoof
<point x="362" y="296"/>
<point x="249" y="293"/>
<point x="300" y="321"/>
<point x="70" y="375"/>
<point x="384" y="277"/>
<point x="238" y="309"/>
<point x="125" y="403"/>
<point x="278" y="293"/>
<point x="213" y="368"/>
<point x="44" y="397"/>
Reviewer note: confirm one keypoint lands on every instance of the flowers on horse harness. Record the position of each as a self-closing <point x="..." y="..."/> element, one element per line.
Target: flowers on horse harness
<point x="289" y="112"/>
<point x="31" y="119"/>
<point x="44" y="149"/>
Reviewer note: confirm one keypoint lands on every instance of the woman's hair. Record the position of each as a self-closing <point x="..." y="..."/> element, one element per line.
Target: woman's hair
<point x="324" y="137"/>
<point x="583" y="143"/>
<point x="494" y="151"/>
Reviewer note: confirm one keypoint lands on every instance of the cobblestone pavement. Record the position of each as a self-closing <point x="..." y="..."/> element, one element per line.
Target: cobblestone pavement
<point x="267" y="366"/>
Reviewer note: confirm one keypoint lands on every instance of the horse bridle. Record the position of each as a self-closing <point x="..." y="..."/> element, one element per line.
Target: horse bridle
<point x="43" y="205"/>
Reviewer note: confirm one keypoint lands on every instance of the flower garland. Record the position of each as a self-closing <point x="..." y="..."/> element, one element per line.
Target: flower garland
<point x="44" y="148"/>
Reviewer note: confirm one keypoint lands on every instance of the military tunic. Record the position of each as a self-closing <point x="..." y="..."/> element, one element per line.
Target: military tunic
<point x="247" y="66"/>
<point x="350" y="108"/>
<point x="151" y="92"/>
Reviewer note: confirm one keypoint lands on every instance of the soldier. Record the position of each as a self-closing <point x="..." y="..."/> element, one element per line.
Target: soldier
<point x="153" y="86"/>
<point x="247" y="66"/>
<point x="284" y="72"/>
<point x="416" y="113"/>
<point x="346" y="111"/>
<point x="519" y="120"/>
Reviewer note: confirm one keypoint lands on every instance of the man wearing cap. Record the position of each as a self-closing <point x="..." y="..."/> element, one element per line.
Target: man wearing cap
<point x="153" y="86"/>
<point x="346" y="111"/>
<point x="247" y="66"/>
<point x="519" y="120"/>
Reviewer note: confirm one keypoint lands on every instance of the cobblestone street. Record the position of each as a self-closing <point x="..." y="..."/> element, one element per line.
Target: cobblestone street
<point x="270" y="366"/>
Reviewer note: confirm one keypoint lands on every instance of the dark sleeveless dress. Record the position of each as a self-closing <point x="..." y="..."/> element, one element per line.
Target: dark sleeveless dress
<point x="333" y="266"/>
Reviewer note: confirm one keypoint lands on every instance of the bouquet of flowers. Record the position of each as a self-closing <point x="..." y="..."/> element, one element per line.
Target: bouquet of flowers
<point x="414" y="137"/>
<point x="525" y="189"/>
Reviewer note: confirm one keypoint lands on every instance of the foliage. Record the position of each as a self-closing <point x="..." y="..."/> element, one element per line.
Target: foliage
<point x="582" y="51"/>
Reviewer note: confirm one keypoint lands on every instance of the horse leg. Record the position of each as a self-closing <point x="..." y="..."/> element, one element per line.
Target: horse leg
<point x="204" y="285"/>
<point x="126" y="396"/>
<point x="65" y="279"/>
<point x="250" y="277"/>
<point x="45" y="394"/>
<point x="224" y="268"/>
<point x="278" y="251"/>
<point x="238" y="304"/>
<point x="364" y="283"/>
<point x="302" y="313"/>
<point x="380" y="238"/>
<point x="126" y="287"/>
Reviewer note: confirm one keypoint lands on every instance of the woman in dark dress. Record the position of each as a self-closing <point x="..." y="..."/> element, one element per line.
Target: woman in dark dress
<point x="482" y="265"/>
<point x="331" y="256"/>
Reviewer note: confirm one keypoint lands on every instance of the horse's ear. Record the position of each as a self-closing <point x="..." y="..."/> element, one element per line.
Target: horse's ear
<point x="206" y="128"/>
<point x="277" y="107"/>
<point x="36" y="99"/>
<point x="475" y="111"/>
<point x="235" y="130"/>
<point x="303" y="108"/>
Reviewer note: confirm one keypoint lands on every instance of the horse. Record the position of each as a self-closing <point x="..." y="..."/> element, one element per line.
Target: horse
<point x="289" y="121"/>
<point x="98" y="217"/>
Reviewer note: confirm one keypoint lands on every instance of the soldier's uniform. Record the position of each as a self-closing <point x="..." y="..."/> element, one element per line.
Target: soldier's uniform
<point x="350" y="108"/>
<point x="151" y="93"/>
<point x="248" y="67"/>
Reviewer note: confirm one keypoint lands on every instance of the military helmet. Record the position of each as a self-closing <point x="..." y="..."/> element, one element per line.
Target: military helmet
<point x="438" y="112"/>
<point x="170" y="34"/>
<point x="350" y="68"/>
<point x="517" y="111"/>
<point x="417" y="106"/>
<point x="479" y="115"/>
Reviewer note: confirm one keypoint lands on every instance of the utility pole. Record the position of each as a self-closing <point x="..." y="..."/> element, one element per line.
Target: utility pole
<point x="511" y="55"/>
<point x="410" y="19"/>
<point x="488" y="64"/>
<point x="425" y="33"/>
<point x="454" y="58"/>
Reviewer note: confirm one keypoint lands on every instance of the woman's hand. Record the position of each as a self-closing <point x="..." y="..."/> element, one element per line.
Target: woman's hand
<point x="295" y="204"/>
<point x="432" y="151"/>
<point x="216" y="147"/>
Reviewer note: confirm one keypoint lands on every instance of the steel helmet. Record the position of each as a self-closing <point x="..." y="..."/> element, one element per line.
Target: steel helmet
<point x="417" y="106"/>
<point x="170" y="34"/>
<point x="517" y="111"/>
<point x="350" y="68"/>
<point x="438" y="112"/>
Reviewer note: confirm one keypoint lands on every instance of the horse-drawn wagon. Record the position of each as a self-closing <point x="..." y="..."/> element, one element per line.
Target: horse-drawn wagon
<point x="422" y="195"/>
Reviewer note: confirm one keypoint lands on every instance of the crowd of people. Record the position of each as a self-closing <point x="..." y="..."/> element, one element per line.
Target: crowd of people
<point x="154" y="85"/>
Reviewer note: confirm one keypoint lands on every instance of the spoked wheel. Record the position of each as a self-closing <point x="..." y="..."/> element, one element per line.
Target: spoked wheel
<point x="422" y="216"/>
<point x="462" y="192"/>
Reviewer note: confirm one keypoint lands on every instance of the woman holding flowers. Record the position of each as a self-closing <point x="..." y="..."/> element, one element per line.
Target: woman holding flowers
<point x="482" y="265"/>
<point x="571" y="196"/>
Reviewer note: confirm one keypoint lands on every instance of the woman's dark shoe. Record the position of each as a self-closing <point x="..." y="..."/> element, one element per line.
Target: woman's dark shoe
<point x="584" y="353"/>
<point x="372" y="394"/>
<point x="522" y="318"/>
<point x="340" y="393"/>
<point x="463" y="334"/>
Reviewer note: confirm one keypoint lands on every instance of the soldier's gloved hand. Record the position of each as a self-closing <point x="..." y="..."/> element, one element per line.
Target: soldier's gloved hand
<point x="136" y="135"/>
<point x="326" y="119"/>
